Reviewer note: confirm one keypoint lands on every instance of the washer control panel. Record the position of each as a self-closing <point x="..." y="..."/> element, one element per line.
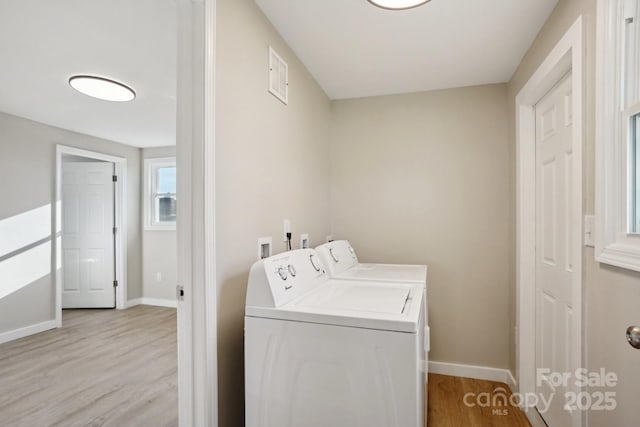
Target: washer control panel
<point x="290" y="274"/>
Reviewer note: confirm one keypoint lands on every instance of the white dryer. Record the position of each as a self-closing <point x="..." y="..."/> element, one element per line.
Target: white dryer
<point x="322" y="352"/>
<point x="341" y="262"/>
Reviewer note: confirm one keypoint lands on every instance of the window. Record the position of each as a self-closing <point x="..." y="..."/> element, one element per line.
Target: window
<point x="160" y="194"/>
<point x="618" y="133"/>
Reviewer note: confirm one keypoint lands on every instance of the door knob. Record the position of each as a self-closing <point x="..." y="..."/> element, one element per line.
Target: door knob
<point x="633" y="336"/>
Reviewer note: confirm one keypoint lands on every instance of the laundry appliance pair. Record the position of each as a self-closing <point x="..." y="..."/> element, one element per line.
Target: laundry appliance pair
<point x="332" y="342"/>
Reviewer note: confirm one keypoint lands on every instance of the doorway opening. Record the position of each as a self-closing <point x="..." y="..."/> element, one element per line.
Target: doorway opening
<point x="90" y="219"/>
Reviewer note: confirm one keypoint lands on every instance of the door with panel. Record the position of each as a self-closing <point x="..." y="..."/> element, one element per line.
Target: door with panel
<point x="88" y="255"/>
<point x="554" y="269"/>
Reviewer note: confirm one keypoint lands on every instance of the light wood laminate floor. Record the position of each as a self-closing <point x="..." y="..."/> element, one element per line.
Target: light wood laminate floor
<point x="102" y="368"/>
<point x="118" y="368"/>
<point x="447" y="407"/>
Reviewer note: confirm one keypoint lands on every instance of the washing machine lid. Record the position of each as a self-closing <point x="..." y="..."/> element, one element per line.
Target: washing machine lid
<point x="386" y="272"/>
<point x="358" y="297"/>
<point x="370" y="305"/>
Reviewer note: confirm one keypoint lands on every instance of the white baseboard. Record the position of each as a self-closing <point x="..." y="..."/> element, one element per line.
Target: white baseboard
<point x="27" y="330"/>
<point x="153" y="301"/>
<point x="171" y="303"/>
<point x="472" y="371"/>
<point x="134" y="302"/>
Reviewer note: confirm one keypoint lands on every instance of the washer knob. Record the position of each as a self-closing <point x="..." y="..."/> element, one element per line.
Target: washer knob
<point x="335" y="258"/>
<point x="283" y="273"/>
<point x="292" y="270"/>
<point x="314" y="262"/>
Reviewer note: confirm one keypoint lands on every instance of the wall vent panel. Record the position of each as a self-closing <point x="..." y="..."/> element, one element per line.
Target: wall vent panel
<point x="278" y="76"/>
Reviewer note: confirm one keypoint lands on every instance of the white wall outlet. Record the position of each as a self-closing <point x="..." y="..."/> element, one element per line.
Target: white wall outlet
<point x="589" y="230"/>
<point x="329" y="238"/>
<point x="287" y="229"/>
<point x="159" y="276"/>
<point x="304" y="241"/>
<point x="264" y="247"/>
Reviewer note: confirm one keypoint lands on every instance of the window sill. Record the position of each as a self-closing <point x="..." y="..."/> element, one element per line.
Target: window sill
<point x="620" y="255"/>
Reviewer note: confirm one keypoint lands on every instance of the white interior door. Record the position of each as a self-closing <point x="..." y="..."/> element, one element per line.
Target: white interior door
<point x="554" y="269"/>
<point x="88" y="258"/>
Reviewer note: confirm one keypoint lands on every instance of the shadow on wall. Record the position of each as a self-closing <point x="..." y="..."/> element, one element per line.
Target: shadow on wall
<point x="25" y="248"/>
<point x="231" y="345"/>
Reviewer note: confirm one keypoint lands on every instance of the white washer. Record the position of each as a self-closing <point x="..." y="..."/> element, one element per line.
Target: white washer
<point x="322" y="352"/>
<point x="341" y="262"/>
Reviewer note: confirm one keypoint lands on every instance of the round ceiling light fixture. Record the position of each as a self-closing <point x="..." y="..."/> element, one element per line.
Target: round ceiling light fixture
<point x="102" y="88"/>
<point x="398" y="4"/>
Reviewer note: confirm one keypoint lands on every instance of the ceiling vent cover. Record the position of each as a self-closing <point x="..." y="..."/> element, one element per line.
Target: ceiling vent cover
<point x="278" y="76"/>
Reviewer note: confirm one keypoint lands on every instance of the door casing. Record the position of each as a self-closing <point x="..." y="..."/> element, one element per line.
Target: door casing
<point x="120" y="221"/>
<point x="566" y="56"/>
<point x="196" y="223"/>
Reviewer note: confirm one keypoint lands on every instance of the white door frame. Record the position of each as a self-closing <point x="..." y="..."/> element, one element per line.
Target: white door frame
<point x="195" y="152"/>
<point x="120" y="222"/>
<point x="566" y="55"/>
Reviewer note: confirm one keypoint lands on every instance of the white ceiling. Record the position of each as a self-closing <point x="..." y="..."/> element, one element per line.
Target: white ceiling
<point x="352" y="48"/>
<point x="43" y="43"/>
<point x="355" y="49"/>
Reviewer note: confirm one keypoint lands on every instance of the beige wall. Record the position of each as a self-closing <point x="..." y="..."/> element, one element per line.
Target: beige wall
<point x="27" y="165"/>
<point x="272" y="164"/>
<point x="442" y="167"/>
<point x="611" y="293"/>
<point x="159" y="248"/>
<point x="424" y="178"/>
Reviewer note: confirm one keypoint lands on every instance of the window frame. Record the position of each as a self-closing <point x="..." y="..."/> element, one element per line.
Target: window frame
<point x="151" y="167"/>
<point x="615" y="243"/>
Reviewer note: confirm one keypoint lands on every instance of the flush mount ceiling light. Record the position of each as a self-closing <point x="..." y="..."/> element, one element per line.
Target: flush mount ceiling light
<point x="398" y="4"/>
<point x="102" y="88"/>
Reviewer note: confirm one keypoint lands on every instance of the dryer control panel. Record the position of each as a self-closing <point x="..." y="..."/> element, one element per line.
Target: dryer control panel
<point x="337" y="256"/>
<point x="281" y="278"/>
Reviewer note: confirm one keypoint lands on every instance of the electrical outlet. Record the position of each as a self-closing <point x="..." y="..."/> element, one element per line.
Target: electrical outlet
<point x="159" y="276"/>
<point x="264" y="247"/>
<point x="304" y="241"/>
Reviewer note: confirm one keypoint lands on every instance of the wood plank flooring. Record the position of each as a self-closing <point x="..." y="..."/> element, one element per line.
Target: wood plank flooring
<point x="447" y="408"/>
<point x="118" y="368"/>
<point x="102" y="368"/>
